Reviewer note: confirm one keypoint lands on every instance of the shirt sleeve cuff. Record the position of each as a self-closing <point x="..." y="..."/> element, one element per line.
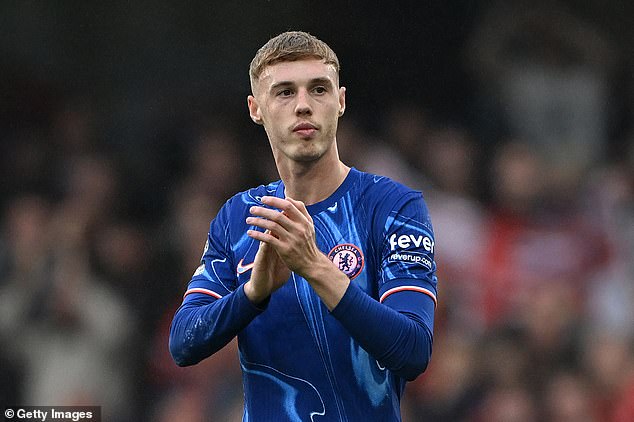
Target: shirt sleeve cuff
<point x="250" y="306"/>
<point x="350" y="297"/>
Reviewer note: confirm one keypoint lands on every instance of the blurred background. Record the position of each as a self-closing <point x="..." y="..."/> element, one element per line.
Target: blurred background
<point x="123" y="129"/>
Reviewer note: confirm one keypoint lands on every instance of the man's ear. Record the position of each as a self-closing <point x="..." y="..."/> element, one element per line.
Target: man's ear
<point x="254" y="109"/>
<point x="342" y="100"/>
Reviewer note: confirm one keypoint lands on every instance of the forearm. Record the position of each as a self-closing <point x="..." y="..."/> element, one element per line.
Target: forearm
<point x="327" y="281"/>
<point x="400" y="342"/>
<point x="201" y="328"/>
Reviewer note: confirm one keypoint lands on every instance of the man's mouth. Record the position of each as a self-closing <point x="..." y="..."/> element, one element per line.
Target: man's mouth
<point x="305" y="129"/>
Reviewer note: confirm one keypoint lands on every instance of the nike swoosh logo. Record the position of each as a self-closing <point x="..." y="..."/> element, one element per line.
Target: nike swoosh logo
<point x="241" y="268"/>
<point x="333" y="208"/>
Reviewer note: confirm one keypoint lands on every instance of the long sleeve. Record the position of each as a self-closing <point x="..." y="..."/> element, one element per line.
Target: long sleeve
<point x="203" y="325"/>
<point x="399" y="340"/>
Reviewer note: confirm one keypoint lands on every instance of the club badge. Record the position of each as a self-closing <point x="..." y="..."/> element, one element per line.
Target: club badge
<point x="348" y="258"/>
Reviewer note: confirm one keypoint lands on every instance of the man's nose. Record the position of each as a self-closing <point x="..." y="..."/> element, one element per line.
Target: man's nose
<point x="302" y="106"/>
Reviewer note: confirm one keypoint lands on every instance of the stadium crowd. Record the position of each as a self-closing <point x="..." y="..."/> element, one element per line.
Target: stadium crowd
<point x="532" y="202"/>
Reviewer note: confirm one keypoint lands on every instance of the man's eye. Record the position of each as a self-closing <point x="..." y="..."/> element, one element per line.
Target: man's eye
<point x="285" y="93"/>
<point x="319" y="90"/>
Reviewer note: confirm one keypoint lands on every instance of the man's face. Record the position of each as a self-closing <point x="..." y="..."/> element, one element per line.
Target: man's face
<point x="299" y="104"/>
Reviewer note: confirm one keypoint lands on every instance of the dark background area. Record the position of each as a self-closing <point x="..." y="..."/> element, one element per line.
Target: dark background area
<point x="124" y="127"/>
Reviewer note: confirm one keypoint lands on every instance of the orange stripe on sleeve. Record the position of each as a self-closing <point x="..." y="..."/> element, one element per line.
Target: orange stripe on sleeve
<point x="411" y="289"/>
<point x="203" y="291"/>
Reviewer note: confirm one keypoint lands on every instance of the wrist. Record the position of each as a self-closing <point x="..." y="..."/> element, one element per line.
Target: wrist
<point x="320" y="270"/>
<point x="255" y="297"/>
<point x="328" y="281"/>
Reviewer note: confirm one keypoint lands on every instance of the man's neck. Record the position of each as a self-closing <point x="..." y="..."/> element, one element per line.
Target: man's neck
<point x="313" y="182"/>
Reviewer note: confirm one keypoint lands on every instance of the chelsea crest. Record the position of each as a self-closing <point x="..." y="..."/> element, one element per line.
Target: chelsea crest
<point x="348" y="258"/>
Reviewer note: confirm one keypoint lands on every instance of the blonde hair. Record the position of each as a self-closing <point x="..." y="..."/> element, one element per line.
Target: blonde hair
<point x="290" y="46"/>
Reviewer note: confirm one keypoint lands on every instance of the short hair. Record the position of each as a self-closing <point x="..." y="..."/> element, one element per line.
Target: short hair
<point x="290" y="46"/>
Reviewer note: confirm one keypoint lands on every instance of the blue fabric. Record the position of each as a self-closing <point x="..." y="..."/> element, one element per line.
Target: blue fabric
<point x="299" y="361"/>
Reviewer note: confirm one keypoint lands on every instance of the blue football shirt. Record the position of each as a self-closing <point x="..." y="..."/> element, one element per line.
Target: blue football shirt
<point x="299" y="361"/>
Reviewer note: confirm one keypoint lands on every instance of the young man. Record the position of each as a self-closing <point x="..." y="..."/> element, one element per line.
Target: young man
<point x="327" y="276"/>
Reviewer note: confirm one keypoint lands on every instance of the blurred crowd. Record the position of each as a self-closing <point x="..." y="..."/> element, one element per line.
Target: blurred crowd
<point x="531" y="197"/>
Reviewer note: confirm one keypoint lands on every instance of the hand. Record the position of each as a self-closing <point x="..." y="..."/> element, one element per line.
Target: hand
<point x="290" y="232"/>
<point x="269" y="273"/>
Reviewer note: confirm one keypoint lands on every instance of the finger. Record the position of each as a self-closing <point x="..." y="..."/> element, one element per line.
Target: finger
<point x="287" y="207"/>
<point x="263" y="247"/>
<point x="270" y="226"/>
<point x="273" y="215"/>
<point x="266" y="237"/>
<point x="272" y="234"/>
<point x="301" y="207"/>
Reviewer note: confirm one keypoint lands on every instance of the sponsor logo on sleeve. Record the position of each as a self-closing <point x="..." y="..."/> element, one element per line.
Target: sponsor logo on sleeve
<point x="401" y="245"/>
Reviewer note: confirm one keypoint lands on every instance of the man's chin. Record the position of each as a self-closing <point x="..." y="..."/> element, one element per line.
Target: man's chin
<point x="307" y="155"/>
<point x="307" y="158"/>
